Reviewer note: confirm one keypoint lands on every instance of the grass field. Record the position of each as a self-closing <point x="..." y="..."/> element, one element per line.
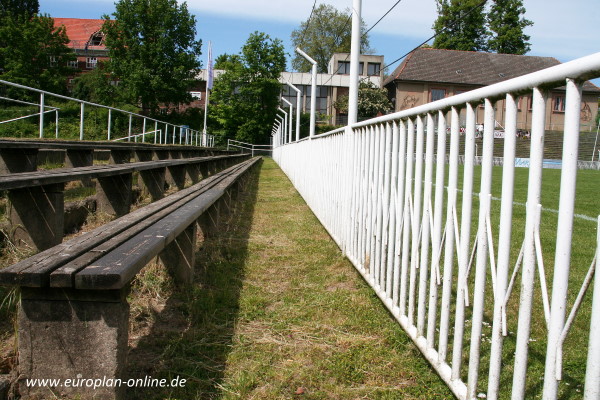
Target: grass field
<point x="587" y="206"/>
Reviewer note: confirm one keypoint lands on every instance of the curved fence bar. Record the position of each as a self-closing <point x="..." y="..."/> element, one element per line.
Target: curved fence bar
<point x="443" y="232"/>
<point x="186" y="135"/>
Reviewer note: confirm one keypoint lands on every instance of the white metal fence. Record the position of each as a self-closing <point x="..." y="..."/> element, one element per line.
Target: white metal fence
<point x="388" y="193"/>
<point x="254" y="149"/>
<point x="171" y="134"/>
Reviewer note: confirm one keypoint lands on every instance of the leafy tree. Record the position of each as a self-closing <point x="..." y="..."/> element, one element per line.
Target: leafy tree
<point x="33" y="52"/>
<point x="460" y="25"/>
<point x="97" y="86"/>
<point x="19" y="7"/>
<point x="153" y="51"/>
<point x="328" y="31"/>
<point x="371" y="101"/>
<point x="506" y="23"/>
<point x="245" y="97"/>
<point x="222" y="61"/>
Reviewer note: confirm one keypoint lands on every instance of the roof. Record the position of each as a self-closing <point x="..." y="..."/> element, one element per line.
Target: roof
<point x="80" y="30"/>
<point x="469" y="67"/>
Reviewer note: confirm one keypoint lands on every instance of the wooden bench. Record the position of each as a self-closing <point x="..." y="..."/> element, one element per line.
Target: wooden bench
<point x="73" y="316"/>
<point x="36" y="214"/>
<point x="22" y="155"/>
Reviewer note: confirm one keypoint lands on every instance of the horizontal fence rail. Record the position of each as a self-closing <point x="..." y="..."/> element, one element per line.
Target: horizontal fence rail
<point x="180" y="134"/>
<point x="481" y="263"/>
<point x="254" y="149"/>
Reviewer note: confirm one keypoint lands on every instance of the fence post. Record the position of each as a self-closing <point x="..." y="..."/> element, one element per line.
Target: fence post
<point x="81" y="120"/>
<point x="129" y="134"/>
<point x="41" y="115"/>
<point x="109" y="121"/>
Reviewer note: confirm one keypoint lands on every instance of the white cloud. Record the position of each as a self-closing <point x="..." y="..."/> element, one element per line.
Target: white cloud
<point x="564" y="29"/>
<point x="410" y="17"/>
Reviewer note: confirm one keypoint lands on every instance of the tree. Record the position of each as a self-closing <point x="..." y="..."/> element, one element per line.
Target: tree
<point x="245" y="97"/>
<point x="371" y="101"/>
<point x="460" y="25"/>
<point x="19" y="7"/>
<point x="328" y="31"/>
<point x="97" y="86"/>
<point x="153" y="51"/>
<point x="506" y="23"/>
<point x="33" y="52"/>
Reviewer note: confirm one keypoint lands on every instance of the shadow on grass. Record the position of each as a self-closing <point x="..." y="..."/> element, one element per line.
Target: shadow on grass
<point x="191" y="334"/>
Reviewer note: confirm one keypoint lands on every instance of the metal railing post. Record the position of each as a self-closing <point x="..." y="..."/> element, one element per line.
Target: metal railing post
<point x="109" y="122"/>
<point x="81" y="121"/>
<point x="129" y="134"/>
<point x="41" y="115"/>
<point x="155" y="130"/>
<point x="144" y="131"/>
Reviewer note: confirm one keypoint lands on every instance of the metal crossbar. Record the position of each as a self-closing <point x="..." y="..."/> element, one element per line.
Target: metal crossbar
<point x="386" y="190"/>
<point x="191" y="136"/>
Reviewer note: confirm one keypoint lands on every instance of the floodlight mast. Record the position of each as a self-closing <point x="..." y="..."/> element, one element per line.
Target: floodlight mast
<point x="298" y="93"/>
<point x="313" y="90"/>
<point x="354" y="60"/>
<point x="290" y="121"/>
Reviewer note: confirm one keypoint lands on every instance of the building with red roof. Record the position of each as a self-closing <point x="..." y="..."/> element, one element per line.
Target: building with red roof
<point x="87" y="41"/>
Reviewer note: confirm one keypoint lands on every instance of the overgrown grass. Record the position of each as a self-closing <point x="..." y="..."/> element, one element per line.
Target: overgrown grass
<point x="277" y="312"/>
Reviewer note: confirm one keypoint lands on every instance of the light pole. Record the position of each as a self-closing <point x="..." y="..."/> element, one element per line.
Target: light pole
<point x="354" y="60"/>
<point x="290" y="114"/>
<point x="297" y="110"/>
<point x="313" y="90"/>
<point x="285" y="119"/>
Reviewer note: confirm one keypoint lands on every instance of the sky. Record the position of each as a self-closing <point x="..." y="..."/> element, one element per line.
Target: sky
<point x="562" y="29"/>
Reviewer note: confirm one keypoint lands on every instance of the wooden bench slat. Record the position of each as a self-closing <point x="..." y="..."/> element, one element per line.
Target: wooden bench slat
<point x="59" y="175"/>
<point x="34" y="271"/>
<point x="118" y="267"/>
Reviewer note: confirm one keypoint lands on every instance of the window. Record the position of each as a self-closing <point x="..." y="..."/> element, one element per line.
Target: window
<point x="321" y="100"/>
<point x="196" y="95"/>
<point x="438" y="94"/>
<point x="361" y="68"/>
<point x="53" y="61"/>
<point x="343" y="67"/>
<point x="374" y="69"/>
<point x="96" y="39"/>
<point x="91" y="62"/>
<point x="73" y="63"/>
<point x="559" y="104"/>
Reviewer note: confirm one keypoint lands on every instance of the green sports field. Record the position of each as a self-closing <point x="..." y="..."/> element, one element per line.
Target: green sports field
<point x="587" y="209"/>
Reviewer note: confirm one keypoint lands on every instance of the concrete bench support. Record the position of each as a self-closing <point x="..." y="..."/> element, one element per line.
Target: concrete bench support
<point x="179" y="256"/>
<point x="80" y="158"/>
<point x="153" y="182"/>
<point x="193" y="173"/>
<point x="113" y="194"/>
<point x="119" y="156"/>
<point x="18" y="160"/>
<point x="176" y="176"/>
<point x="64" y="334"/>
<point x="37" y="215"/>
<point x="209" y="221"/>
<point x="144" y="155"/>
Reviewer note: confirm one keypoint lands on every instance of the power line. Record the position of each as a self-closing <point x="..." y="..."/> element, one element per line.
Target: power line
<point x="436" y="34"/>
<point x="365" y="34"/>
<point x="308" y="21"/>
<point x="379" y="20"/>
